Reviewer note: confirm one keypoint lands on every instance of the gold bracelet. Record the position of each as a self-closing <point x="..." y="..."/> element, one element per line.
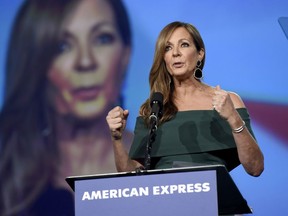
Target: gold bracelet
<point x="239" y="129"/>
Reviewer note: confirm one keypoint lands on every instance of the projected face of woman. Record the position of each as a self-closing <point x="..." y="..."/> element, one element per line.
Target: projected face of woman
<point x="86" y="76"/>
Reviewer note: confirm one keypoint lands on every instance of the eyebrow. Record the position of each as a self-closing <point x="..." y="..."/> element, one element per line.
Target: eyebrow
<point x="180" y="40"/>
<point x="68" y="34"/>
<point x="98" y="26"/>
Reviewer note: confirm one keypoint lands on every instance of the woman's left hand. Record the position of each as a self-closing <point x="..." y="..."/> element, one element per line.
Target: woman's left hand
<point x="222" y="103"/>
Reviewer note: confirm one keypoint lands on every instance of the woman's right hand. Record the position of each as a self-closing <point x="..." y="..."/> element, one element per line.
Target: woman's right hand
<point x="116" y="119"/>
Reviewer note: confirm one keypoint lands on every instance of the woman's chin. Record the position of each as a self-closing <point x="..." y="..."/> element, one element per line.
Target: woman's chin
<point x="90" y="109"/>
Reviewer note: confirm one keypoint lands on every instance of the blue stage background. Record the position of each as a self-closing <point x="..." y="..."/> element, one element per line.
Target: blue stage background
<point x="246" y="52"/>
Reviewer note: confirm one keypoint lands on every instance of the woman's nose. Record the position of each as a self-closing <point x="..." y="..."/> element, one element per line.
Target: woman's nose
<point x="86" y="61"/>
<point x="176" y="52"/>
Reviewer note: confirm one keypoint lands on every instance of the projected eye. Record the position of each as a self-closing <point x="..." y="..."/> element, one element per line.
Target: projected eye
<point x="64" y="46"/>
<point x="104" y="39"/>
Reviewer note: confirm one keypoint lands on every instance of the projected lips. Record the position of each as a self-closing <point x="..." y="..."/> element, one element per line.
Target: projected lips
<point x="273" y="117"/>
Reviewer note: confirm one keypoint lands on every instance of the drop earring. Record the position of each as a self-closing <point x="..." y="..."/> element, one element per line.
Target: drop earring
<point x="198" y="72"/>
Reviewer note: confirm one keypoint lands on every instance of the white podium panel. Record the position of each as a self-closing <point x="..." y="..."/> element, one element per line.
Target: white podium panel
<point x="193" y="191"/>
<point x="187" y="193"/>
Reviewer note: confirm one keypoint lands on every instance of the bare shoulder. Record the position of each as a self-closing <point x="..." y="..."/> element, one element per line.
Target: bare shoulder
<point x="236" y="99"/>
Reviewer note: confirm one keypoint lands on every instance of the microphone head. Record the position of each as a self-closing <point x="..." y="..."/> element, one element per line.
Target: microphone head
<point x="156" y="103"/>
<point x="157" y="97"/>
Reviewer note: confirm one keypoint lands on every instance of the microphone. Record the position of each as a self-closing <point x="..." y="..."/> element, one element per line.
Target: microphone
<point x="156" y="103"/>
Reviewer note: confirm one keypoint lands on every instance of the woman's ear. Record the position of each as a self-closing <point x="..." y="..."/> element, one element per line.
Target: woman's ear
<point x="201" y="54"/>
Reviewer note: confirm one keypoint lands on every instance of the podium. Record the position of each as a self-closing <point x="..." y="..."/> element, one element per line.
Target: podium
<point x="201" y="190"/>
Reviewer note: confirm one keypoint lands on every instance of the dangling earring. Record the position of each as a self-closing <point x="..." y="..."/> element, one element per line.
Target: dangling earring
<point x="198" y="72"/>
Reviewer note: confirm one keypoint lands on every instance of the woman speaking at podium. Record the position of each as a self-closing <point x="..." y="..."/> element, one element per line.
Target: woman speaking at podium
<point x="199" y="124"/>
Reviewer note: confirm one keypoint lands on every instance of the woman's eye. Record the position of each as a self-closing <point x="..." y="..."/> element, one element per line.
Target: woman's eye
<point x="184" y="45"/>
<point x="105" y="38"/>
<point x="167" y="48"/>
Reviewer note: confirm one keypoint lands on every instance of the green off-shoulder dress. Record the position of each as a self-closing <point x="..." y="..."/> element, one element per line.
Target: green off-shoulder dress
<point x="196" y="137"/>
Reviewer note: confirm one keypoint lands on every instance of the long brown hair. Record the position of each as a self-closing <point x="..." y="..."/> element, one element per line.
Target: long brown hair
<point x="159" y="78"/>
<point x="29" y="153"/>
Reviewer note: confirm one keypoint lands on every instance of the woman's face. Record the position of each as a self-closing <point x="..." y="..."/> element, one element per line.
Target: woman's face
<point x="86" y="76"/>
<point x="181" y="55"/>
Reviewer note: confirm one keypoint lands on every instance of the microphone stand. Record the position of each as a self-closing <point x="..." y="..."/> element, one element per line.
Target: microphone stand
<point x="151" y="139"/>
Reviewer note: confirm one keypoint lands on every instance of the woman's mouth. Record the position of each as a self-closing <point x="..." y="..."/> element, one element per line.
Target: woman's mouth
<point x="178" y="64"/>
